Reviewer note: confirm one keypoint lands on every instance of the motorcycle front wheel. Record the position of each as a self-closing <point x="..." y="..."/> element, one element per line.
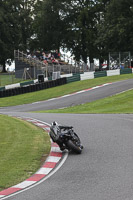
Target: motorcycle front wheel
<point x="73" y="147"/>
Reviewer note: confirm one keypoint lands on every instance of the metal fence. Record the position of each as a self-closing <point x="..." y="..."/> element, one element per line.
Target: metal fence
<point x="36" y="66"/>
<point x="119" y="60"/>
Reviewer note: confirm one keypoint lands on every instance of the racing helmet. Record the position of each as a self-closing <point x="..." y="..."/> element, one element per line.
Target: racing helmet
<point x="54" y="123"/>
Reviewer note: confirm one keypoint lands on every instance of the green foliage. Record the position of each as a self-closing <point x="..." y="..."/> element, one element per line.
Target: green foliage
<point x="67" y="24"/>
<point x="115" y="30"/>
<point x="82" y="32"/>
<point x="48" y="25"/>
<point x="15" y="27"/>
<point x="89" y="29"/>
<point x="19" y="158"/>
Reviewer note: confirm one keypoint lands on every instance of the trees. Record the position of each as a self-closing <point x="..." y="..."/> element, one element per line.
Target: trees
<point x="100" y="42"/>
<point x="115" y="31"/>
<point x="48" y="25"/>
<point x="25" y="22"/>
<point x="87" y="28"/>
<point x="81" y="33"/>
<point x="67" y="24"/>
<point x="15" y="20"/>
<point x="8" y="31"/>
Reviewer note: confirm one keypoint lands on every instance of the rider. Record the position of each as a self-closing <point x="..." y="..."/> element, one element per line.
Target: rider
<point x="58" y="141"/>
<point x="59" y="131"/>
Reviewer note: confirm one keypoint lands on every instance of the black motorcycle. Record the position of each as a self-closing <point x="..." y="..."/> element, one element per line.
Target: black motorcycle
<point x="65" y="137"/>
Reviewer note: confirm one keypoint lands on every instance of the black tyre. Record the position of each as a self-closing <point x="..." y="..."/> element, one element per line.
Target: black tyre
<point x="73" y="147"/>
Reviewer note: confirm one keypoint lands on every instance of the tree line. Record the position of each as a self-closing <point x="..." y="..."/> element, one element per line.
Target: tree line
<point x="87" y="28"/>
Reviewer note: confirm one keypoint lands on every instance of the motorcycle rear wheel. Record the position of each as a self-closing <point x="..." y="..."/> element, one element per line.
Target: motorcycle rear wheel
<point x="73" y="147"/>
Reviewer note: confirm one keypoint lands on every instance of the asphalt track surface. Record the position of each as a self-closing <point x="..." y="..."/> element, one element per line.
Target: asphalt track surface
<point x="104" y="170"/>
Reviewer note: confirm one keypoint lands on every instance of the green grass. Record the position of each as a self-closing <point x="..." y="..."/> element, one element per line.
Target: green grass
<point x="8" y="79"/>
<point x="120" y="103"/>
<point x="59" y="91"/>
<point x="23" y="147"/>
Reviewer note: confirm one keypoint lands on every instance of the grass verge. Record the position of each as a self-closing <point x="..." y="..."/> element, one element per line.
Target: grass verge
<point x="8" y="79"/>
<point x="23" y="148"/>
<point x="120" y="103"/>
<point x="59" y="91"/>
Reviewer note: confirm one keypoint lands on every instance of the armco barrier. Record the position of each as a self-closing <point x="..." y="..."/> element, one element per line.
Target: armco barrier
<point x="113" y="72"/>
<point x="100" y="74"/>
<point x="50" y="78"/>
<point x="12" y="86"/>
<point x="87" y="75"/>
<point x="66" y="75"/>
<point x="75" y="77"/>
<point x="26" y="83"/>
<point x="126" y="71"/>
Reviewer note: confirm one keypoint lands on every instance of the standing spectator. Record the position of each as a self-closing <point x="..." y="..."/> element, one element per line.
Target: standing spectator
<point x="57" y="55"/>
<point x="43" y="55"/>
<point x="54" y="61"/>
<point x="38" y="54"/>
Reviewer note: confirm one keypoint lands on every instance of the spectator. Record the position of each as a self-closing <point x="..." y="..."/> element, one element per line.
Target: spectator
<point x="45" y="62"/>
<point x="38" y="54"/>
<point x="44" y="55"/>
<point x="54" y="61"/>
<point x="57" y="55"/>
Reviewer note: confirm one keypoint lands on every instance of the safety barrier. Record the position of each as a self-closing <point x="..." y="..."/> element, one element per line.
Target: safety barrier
<point x="126" y="71"/>
<point x="75" y="77"/>
<point x="100" y="74"/>
<point x="26" y="83"/>
<point x="16" y="85"/>
<point x="113" y="72"/>
<point x="2" y="88"/>
<point x="66" y="75"/>
<point x="87" y="75"/>
<point x="30" y="86"/>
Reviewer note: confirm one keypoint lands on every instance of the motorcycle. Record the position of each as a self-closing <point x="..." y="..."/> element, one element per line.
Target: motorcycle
<point x="65" y="137"/>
